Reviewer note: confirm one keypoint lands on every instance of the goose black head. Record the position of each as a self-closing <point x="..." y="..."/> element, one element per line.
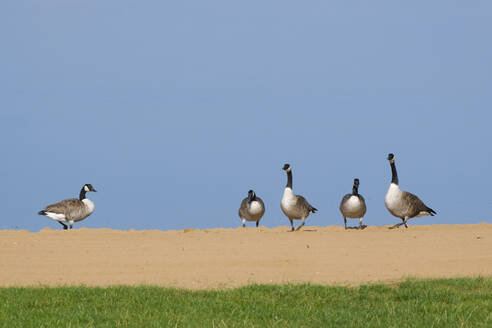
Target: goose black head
<point x="391" y="158"/>
<point x="356" y="182"/>
<point x="251" y="195"/>
<point x="286" y="167"/>
<point x="89" y="187"/>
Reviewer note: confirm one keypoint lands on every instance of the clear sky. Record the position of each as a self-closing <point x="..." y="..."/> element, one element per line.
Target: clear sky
<point x="172" y="110"/>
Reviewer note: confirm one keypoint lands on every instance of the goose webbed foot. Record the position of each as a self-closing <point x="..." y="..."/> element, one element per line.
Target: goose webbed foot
<point x="301" y="225"/>
<point x="395" y="226"/>
<point x="345" y="223"/>
<point x="64" y="225"/>
<point x="403" y="222"/>
<point x="257" y="222"/>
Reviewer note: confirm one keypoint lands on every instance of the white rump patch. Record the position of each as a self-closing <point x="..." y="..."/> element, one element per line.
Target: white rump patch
<point x="56" y="216"/>
<point x="423" y="213"/>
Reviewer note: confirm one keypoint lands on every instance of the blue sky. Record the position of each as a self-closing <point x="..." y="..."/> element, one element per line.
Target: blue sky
<point x="173" y="110"/>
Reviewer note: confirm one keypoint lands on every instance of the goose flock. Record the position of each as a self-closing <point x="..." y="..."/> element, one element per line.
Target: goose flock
<point x="401" y="204"/>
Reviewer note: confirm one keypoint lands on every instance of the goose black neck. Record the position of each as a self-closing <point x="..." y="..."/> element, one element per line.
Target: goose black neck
<point x="82" y="193"/>
<point x="289" y="180"/>
<point x="251" y="198"/>
<point x="394" y="175"/>
<point x="355" y="190"/>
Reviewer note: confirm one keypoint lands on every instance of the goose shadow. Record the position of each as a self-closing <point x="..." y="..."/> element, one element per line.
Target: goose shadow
<point x="307" y="230"/>
<point x="356" y="228"/>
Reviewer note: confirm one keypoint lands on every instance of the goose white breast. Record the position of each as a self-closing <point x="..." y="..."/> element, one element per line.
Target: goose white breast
<point x="255" y="208"/>
<point x="90" y="205"/>
<point x="352" y="204"/>
<point x="393" y="196"/>
<point x="288" y="200"/>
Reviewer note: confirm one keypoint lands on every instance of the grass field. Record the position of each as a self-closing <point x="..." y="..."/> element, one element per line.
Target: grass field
<point x="465" y="302"/>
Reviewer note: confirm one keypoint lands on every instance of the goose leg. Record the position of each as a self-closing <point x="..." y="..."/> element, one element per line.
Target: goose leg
<point x="64" y="225"/>
<point x="257" y="222"/>
<point x="345" y="222"/>
<point x="71" y="224"/>
<point x="302" y="224"/>
<point x="405" y="222"/>
<point x="244" y="223"/>
<point x="396" y="225"/>
<point x="360" y="223"/>
<point x="292" y="224"/>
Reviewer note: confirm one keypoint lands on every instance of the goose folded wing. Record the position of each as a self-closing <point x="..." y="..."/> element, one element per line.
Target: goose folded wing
<point x="261" y="202"/>
<point x="305" y="204"/>
<point x="243" y="208"/>
<point x="346" y="198"/>
<point x="417" y="205"/>
<point x="70" y="207"/>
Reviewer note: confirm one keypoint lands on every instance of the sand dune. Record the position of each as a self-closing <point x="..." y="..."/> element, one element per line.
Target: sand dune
<point x="232" y="257"/>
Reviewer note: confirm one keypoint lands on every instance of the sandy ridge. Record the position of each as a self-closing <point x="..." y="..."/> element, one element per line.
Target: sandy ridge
<point x="219" y="257"/>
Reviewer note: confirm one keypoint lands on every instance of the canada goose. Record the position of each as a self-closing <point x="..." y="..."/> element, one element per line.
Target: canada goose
<point x="252" y="208"/>
<point x="353" y="205"/>
<point x="71" y="210"/>
<point x="402" y="204"/>
<point x="295" y="207"/>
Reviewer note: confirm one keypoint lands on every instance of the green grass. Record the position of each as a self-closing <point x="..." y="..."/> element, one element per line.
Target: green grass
<point x="463" y="302"/>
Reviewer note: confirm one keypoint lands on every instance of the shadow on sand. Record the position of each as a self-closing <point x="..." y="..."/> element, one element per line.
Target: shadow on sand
<point x="357" y="228"/>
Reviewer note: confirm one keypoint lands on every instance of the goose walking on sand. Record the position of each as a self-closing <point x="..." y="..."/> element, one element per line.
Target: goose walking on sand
<point x="71" y="210"/>
<point x="252" y="209"/>
<point x="402" y="204"/>
<point x="295" y="207"/>
<point x="353" y="205"/>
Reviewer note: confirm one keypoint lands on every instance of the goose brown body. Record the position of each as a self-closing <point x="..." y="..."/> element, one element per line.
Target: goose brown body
<point x="252" y="208"/>
<point x="353" y="205"/>
<point x="71" y="210"/>
<point x="295" y="207"/>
